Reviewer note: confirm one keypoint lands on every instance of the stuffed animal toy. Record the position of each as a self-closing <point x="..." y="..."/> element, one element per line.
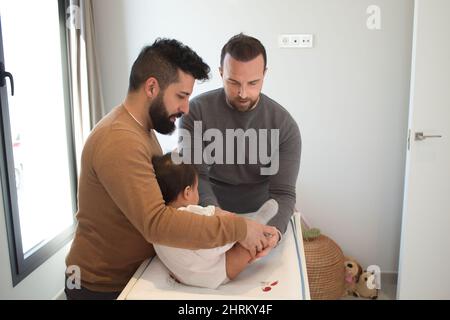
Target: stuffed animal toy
<point x="353" y="271"/>
<point x="366" y="285"/>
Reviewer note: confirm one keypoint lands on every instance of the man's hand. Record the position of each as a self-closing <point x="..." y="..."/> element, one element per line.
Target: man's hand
<point x="273" y="241"/>
<point x="259" y="237"/>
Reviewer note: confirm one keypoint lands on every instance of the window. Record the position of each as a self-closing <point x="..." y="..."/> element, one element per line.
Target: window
<point x="38" y="163"/>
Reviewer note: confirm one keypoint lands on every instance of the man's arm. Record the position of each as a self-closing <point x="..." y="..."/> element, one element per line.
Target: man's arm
<point x="123" y="167"/>
<point x="283" y="184"/>
<point x="192" y="145"/>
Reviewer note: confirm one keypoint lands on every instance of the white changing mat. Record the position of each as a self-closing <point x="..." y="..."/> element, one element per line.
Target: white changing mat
<point x="281" y="275"/>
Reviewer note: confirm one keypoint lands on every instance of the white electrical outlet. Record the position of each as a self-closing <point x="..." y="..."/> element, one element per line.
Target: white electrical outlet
<point x="296" y="41"/>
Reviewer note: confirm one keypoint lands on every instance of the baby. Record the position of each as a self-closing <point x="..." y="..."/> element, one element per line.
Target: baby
<point x="207" y="268"/>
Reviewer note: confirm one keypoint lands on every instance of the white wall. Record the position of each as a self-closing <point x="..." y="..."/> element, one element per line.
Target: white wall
<point x="46" y="282"/>
<point x="349" y="96"/>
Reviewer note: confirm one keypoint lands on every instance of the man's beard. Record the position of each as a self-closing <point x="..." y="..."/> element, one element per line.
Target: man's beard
<point x="237" y="104"/>
<point x="160" y="117"/>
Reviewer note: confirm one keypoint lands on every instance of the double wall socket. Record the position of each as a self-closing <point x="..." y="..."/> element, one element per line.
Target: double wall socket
<point x="296" y="41"/>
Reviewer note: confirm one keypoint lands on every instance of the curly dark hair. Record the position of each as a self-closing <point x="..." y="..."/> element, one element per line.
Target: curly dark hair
<point x="243" y="48"/>
<point x="173" y="178"/>
<point x="162" y="60"/>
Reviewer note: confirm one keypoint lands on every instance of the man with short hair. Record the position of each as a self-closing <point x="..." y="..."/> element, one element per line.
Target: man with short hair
<point x="121" y="211"/>
<point x="240" y="107"/>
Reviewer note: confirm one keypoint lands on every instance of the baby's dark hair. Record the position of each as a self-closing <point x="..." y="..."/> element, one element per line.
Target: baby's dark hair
<point x="173" y="178"/>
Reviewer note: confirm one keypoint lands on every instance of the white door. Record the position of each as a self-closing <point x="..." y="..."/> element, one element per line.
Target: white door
<point x="425" y="241"/>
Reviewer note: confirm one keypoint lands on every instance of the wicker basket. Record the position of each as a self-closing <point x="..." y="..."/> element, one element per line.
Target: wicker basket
<point x="325" y="266"/>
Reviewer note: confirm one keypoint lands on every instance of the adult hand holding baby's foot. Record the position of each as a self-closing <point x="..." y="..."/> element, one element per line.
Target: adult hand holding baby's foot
<point x="256" y="239"/>
<point x="273" y="241"/>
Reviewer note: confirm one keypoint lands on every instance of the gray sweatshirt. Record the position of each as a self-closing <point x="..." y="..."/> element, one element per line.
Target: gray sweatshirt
<point x="243" y="158"/>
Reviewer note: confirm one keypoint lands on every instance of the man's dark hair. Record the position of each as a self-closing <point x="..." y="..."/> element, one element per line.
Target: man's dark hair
<point x="243" y="48"/>
<point x="173" y="178"/>
<point x="162" y="60"/>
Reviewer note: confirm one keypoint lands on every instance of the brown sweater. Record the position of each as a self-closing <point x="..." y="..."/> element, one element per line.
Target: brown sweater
<point x="121" y="210"/>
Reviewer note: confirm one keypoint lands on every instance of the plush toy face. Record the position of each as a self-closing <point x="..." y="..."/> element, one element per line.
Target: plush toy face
<point x="367" y="278"/>
<point x="352" y="269"/>
<point x="366" y="286"/>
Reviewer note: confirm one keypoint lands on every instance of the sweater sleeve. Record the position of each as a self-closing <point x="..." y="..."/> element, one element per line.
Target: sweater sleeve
<point x="283" y="184"/>
<point x="193" y="144"/>
<point x="124" y="168"/>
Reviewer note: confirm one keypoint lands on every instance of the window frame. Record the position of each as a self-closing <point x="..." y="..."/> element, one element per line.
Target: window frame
<point x="22" y="264"/>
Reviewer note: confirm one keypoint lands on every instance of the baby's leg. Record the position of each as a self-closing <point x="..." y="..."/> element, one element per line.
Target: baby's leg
<point x="237" y="259"/>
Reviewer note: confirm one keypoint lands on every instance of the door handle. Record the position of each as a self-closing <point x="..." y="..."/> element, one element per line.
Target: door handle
<point x="420" y="136"/>
<point x="3" y="75"/>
